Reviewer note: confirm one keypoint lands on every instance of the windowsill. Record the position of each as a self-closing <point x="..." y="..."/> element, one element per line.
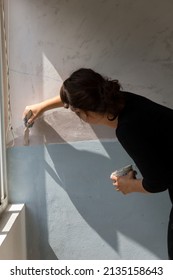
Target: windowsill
<point x="12" y="232"/>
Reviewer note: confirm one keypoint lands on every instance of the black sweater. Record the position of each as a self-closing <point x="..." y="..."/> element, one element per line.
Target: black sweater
<point x="145" y="130"/>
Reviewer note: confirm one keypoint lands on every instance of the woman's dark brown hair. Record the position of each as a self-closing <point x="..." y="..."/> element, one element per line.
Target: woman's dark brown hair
<point x="87" y="90"/>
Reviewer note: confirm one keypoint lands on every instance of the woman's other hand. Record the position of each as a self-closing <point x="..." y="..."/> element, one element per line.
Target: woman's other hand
<point x="128" y="183"/>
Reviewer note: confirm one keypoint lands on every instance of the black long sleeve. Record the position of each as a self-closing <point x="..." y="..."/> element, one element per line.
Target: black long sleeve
<point x="145" y="131"/>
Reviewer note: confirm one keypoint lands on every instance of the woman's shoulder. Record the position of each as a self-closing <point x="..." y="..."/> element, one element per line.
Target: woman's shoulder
<point x="131" y="97"/>
<point x="143" y="114"/>
<point x="140" y="104"/>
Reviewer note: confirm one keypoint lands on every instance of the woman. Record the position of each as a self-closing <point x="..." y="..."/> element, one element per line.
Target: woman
<point x="142" y="126"/>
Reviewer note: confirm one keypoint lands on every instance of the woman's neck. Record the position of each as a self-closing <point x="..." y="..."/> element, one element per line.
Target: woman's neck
<point x="107" y="122"/>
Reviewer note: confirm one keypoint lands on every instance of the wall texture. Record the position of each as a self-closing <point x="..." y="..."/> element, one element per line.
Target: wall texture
<point x="128" y="40"/>
<point x="72" y="210"/>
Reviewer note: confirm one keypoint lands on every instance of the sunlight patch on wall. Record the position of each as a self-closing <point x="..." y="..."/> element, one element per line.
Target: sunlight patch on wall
<point x="52" y="81"/>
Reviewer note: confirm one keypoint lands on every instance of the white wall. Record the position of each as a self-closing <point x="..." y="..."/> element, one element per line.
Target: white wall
<point x="130" y="40"/>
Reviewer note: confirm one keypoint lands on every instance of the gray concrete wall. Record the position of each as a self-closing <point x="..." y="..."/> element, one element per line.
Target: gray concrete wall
<point x="72" y="210"/>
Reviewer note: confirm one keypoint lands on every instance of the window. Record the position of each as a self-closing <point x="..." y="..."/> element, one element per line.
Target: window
<point x="3" y="171"/>
<point x="3" y="168"/>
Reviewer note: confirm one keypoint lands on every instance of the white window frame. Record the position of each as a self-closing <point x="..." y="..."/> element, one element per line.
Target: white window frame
<point x="3" y="161"/>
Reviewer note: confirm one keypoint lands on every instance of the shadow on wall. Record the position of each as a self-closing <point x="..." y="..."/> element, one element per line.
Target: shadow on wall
<point x="26" y="180"/>
<point x="83" y="174"/>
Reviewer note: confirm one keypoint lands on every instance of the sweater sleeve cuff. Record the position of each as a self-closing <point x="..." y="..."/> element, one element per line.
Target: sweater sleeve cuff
<point x="153" y="187"/>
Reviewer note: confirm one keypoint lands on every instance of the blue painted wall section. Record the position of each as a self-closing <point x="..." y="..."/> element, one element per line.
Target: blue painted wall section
<point x="73" y="211"/>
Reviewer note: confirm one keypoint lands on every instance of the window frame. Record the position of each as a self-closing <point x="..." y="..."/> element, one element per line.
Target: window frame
<point x="3" y="160"/>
